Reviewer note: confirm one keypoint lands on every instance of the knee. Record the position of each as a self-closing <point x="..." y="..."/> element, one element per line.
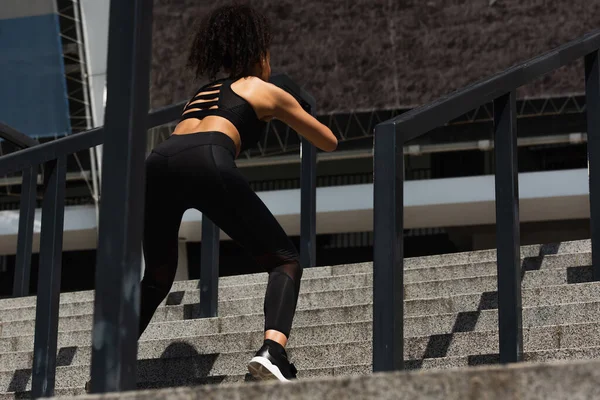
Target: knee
<point x="154" y="290"/>
<point x="293" y="269"/>
<point x="286" y="278"/>
<point x="286" y="263"/>
<point x="157" y="284"/>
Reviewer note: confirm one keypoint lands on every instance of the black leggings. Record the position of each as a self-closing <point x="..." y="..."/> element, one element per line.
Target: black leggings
<point x="198" y="171"/>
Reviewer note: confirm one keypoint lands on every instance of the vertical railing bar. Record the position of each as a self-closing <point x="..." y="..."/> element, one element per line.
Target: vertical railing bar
<point x="308" y="200"/>
<point x="388" y="250"/>
<point x="507" y="229"/>
<point x="592" y="96"/>
<point x="209" y="269"/>
<point x="48" y="293"/>
<point x="118" y="266"/>
<point x="25" y="237"/>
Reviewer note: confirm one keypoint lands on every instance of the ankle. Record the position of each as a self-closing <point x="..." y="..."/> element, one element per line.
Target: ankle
<point x="276" y="336"/>
<point x="275" y="346"/>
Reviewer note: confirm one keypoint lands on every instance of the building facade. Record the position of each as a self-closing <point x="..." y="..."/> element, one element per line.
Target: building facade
<point x="365" y="62"/>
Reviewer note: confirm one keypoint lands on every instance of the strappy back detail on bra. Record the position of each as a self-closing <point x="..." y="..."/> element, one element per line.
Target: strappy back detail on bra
<point x="217" y="98"/>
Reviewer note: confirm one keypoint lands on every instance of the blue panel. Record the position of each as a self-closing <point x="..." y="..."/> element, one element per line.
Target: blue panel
<point x="33" y="95"/>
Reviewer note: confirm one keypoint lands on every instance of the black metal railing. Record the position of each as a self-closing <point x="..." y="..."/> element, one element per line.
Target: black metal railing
<point x="17" y="138"/>
<point x="118" y="266"/>
<point x="26" y="212"/>
<point x="390" y="136"/>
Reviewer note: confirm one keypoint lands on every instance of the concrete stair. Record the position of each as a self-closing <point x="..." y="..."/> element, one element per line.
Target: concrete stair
<point x="526" y="381"/>
<point x="450" y="322"/>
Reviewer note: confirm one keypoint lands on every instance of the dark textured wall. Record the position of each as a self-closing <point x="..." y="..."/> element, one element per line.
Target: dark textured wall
<point x="386" y="54"/>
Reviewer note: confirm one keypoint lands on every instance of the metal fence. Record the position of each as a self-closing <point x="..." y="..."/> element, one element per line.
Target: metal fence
<point x="118" y="267"/>
<point x="390" y="137"/>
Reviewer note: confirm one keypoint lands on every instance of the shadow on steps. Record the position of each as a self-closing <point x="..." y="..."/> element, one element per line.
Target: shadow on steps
<point x="179" y="365"/>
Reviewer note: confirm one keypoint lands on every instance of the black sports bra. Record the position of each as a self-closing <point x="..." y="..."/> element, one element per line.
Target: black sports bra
<point x="217" y="98"/>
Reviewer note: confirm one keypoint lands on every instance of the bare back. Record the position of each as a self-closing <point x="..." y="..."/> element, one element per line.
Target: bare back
<point x="268" y="102"/>
<point x="246" y="88"/>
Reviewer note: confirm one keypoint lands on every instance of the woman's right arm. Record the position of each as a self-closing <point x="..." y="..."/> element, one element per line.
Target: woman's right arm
<point x="284" y="107"/>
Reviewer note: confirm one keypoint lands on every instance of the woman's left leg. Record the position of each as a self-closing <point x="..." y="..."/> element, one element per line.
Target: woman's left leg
<point x="238" y="211"/>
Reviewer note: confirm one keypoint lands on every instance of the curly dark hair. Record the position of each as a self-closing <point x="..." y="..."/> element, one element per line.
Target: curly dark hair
<point x="234" y="37"/>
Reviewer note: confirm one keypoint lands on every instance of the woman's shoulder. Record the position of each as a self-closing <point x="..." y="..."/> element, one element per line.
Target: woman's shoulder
<point x="253" y="86"/>
<point x="257" y="92"/>
<point x="250" y="80"/>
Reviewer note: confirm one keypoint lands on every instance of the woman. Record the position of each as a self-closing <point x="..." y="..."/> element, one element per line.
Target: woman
<point x="195" y="168"/>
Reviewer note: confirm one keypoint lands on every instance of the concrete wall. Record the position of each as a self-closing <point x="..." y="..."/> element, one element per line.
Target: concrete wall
<point x="386" y="54"/>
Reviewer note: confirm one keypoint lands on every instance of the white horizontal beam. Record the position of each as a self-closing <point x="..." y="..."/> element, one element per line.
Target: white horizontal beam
<point x="544" y="196"/>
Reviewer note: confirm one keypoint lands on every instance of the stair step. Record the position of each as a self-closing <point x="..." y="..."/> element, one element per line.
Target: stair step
<point x="532" y="297"/>
<point x="224" y="325"/>
<point x="571" y="313"/>
<point x="556" y="380"/>
<point x="428" y="289"/>
<point x="457" y="271"/>
<point x="192" y="295"/>
<point x="192" y="285"/>
<point x="578" y="246"/>
<point x="560" y="326"/>
<point x="425" y="274"/>
<point x="435" y="346"/>
<point x="434" y="269"/>
<point x="183" y="318"/>
<point x="450" y="321"/>
<point x="346" y="370"/>
<point x="413" y="326"/>
<point x="324" y="357"/>
<point x="531" y="279"/>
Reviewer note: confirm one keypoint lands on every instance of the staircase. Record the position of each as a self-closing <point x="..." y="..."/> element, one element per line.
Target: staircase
<point x="450" y="322"/>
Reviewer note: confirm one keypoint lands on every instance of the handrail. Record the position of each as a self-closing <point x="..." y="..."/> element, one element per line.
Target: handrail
<point x="41" y="153"/>
<point x="420" y="120"/>
<point x="164" y="115"/>
<point x="308" y="176"/>
<point x="389" y="140"/>
<point x="15" y="137"/>
<point x="26" y="211"/>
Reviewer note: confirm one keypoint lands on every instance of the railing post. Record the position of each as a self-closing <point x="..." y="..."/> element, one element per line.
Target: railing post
<point x="48" y="293"/>
<point x="209" y="269"/>
<point x="15" y="137"/>
<point x="25" y="237"/>
<point x="308" y="201"/>
<point x="507" y="229"/>
<point x="592" y="97"/>
<point x="118" y="266"/>
<point x="388" y="249"/>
